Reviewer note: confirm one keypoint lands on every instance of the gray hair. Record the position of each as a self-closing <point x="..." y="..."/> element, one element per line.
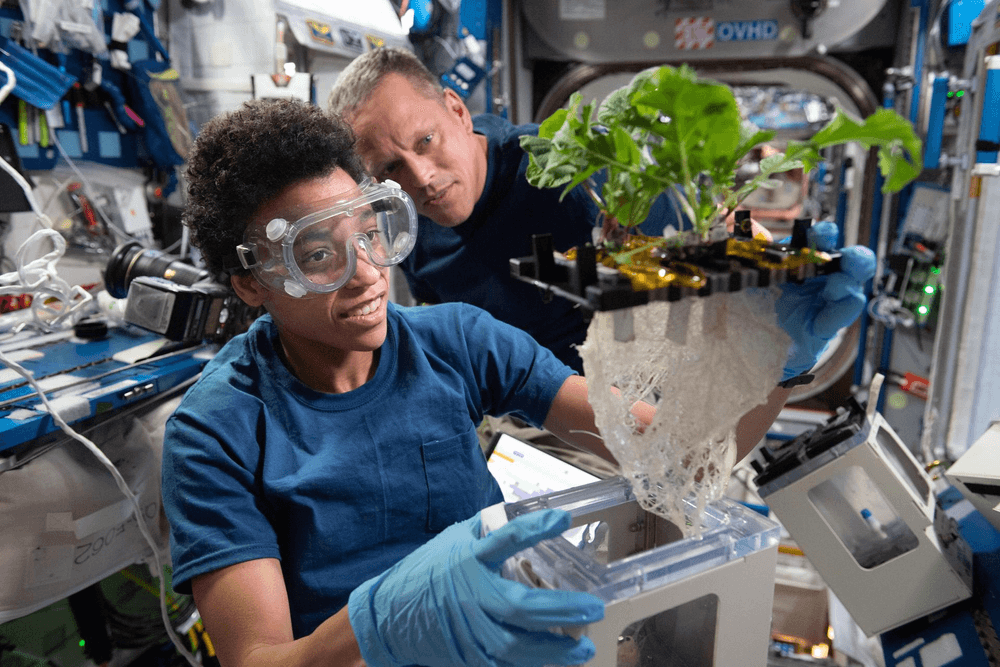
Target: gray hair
<point x="360" y="78"/>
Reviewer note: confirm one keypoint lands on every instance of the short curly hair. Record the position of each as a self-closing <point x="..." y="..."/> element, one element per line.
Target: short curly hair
<point x="244" y="158"/>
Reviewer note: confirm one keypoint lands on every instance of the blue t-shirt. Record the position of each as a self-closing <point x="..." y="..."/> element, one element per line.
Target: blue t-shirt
<point x="342" y="486"/>
<point x="471" y="262"/>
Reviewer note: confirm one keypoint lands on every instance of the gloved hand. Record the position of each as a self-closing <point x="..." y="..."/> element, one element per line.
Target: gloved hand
<point x="446" y="603"/>
<point x="814" y="311"/>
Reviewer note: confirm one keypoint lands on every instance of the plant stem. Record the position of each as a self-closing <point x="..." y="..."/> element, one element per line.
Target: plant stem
<point x="588" y="187"/>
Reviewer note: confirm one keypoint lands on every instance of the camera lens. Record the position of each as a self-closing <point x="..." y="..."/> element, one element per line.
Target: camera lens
<point x="131" y="260"/>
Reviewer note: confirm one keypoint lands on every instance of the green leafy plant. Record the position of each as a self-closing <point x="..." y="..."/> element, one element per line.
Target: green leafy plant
<point x="670" y="128"/>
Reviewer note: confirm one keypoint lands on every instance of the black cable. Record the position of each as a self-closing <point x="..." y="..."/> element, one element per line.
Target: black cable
<point x="88" y="607"/>
<point x="7" y="264"/>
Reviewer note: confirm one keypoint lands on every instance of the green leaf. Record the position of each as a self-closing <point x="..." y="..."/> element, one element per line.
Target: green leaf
<point x="551" y="125"/>
<point x="769" y="166"/>
<point x="625" y="147"/>
<point x="613" y="108"/>
<point x="535" y="146"/>
<point x="900" y="151"/>
<point x="750" y="137"/>
<point x="580" y="177"/>
<point x="668" y="127"/>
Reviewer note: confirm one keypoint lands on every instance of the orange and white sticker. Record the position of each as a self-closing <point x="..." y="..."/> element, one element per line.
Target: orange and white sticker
<point x="694" y="33"/>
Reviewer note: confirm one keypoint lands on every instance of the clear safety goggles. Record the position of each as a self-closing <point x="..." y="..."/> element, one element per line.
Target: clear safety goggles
<point x="318" y="252"/>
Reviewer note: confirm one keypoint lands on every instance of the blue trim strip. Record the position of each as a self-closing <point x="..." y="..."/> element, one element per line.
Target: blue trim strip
<point x="989" y="126"/>
<point x="935" y="123"/>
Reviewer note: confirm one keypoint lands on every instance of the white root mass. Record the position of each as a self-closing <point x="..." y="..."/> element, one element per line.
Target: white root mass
<point x="703" y="362"/>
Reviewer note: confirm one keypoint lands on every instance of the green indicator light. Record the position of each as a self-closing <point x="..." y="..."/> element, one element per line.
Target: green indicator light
<point x="960" y="93"/>
<point x="951" y="94"/>
<point x="922" y="310"/>
<point x="928" y="289"/>
<point x="935" y="270"/>
<point x="82" y="643"/>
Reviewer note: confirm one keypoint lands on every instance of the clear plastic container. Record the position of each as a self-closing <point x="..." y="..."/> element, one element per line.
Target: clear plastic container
<point x="656" y="555"/>
<point x="670" y="600"/>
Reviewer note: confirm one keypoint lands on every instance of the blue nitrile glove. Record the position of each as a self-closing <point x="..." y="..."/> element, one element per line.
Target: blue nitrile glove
<point x="814" y="311"/>
<point x="446" y="603"/>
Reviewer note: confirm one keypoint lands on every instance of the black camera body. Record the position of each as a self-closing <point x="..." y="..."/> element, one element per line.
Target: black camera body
<point x="173" y="298"/>
<point x="184" y="313"/>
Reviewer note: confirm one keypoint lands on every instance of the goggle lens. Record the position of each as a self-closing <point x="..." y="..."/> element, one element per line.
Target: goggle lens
<point x="319" y="252"/>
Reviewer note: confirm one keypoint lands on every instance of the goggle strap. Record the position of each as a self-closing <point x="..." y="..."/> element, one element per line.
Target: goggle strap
<point x="247" y="254"/>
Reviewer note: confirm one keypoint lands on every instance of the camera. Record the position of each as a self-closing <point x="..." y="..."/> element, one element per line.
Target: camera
<point x="131" y="260"/>
<point x="184" y="313"/>
<point x="172" y="298"/>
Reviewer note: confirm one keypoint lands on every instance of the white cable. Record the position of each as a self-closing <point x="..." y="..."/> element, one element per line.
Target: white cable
<point x="185" y="240"/>
<point x="47" y="275"/>
<point x="60" y="186"/>
<point x="170" y="248"/>
<point x="126" y="491"/>
<point x="890" y="312"/>
<point x="9" y="168"/>
<point x="39" y="278"/>
<point x="28" y="194"/>
<point x="934" y="35"/>
<point x="88" y="190"/>
<point x="11" y="82"/>
<point x="447" y="47"/>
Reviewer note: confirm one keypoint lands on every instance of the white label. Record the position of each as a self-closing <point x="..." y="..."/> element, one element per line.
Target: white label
<point x="54" y="382"/>
<point x="101" y="519"/>
<point x="113" y="539"/>
<point x="9" y="376"/>
<point x="581" y="10"/>
<point x="141" y="351"/>
<point x="941" y="651"/>
<point x="21" y="414"/>
<point x="131" y="203"/>
<point x="909" y="647"/>
<point x="24" y="355"/>
<point x="70" y="408"/>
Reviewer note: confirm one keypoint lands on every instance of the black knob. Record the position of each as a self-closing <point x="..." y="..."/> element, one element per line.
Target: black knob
<point x="805" y="11"/>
